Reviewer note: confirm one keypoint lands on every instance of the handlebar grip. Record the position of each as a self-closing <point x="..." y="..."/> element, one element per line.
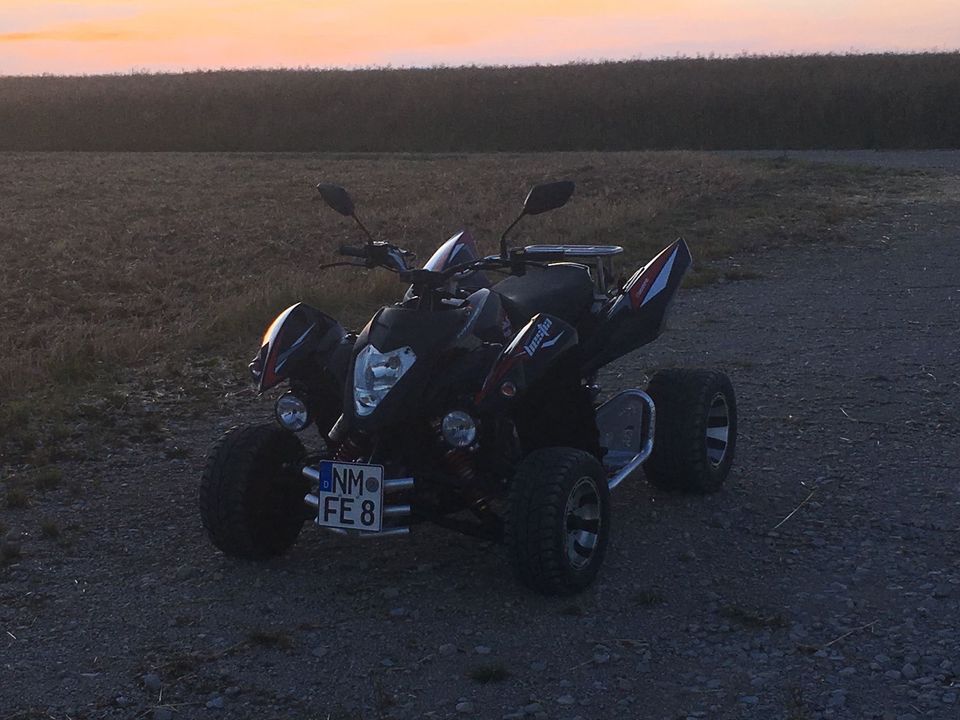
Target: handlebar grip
<point x="351" y="251"/>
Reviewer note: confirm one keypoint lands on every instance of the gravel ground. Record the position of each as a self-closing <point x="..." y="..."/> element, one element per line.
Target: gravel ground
<point x="948" y="160"/>
<point x="823" y="582"/>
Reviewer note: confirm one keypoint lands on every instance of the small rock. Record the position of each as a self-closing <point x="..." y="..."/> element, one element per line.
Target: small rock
<point x="949" y="698"/>
<point x="319" y="651"/>
<point x="152" y="682"/>
<point x="185" y="572"/>
<point x="601" y="658"/>
<point x="232" y="691"/>
<point x="390" y="593"/>
<point x="215" y="703"/>
<point x="942" y="591"/>
<point x="565" y="700"/>
<point x="447" y="649"/>
<point x="892" y="674"/>
<point x="482" y="650"/>
<point x="122" y="701"/>
<point x="538" y="666"/>
<point x="532" y="708"/>
<point x="465" y="707"/>
<point x="908" y="671"/>
<point x="399" y="612"/>
<point x="749" y="699"/>
<point x="162" y="714"/>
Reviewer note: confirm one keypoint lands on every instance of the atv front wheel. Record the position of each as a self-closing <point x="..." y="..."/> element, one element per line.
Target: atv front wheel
<point x="558" y="520"/>
<point x="696" y="430"/>
<point x="251" y="493"/>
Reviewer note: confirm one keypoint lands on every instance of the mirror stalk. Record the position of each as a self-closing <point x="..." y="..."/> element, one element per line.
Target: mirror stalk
<point x="363" y="227"/>
<point x="503" y="238"/>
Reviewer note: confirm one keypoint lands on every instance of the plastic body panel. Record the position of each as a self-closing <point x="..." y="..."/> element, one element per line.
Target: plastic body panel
<point x="535" y="349"/>
<point x="459" y="249"/>
<point x="635" y="317"/>
<point x="299" y="336"/>
<point x="487" y="321"/>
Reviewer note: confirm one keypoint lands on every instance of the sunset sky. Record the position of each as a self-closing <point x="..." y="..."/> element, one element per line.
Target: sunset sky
<point x="96" y="36"/>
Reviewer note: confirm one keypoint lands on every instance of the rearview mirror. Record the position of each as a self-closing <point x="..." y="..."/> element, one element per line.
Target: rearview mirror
<point x="337" y="198"/>
<point x="548" y="196"/>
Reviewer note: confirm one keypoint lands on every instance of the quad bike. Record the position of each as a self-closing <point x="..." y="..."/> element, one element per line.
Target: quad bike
<point x="471" y="404"/>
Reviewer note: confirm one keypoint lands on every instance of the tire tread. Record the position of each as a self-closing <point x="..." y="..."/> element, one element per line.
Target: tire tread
<point x="537" y="502"/>
<point x="227" y="489"/>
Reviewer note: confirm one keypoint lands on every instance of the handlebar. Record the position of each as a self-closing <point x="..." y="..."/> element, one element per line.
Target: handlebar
<point x="391" y="258"/>
<point x="352" y="251"/>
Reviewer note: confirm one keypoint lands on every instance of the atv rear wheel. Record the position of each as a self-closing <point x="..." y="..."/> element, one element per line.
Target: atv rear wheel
<point x="696" y="430"/>
<point x="251" y="493"/>
<point x="558" y="520"/>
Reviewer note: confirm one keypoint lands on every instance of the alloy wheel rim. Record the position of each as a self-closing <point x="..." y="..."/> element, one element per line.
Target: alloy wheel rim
<point x="582" y="526"/>
<point x="718" y="430"/>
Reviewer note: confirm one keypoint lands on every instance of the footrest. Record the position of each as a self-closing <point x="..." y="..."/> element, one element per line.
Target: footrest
<point x="626" y="425"/>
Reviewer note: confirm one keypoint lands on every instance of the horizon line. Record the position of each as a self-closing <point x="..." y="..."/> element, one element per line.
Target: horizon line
<point x="714" y="57"/>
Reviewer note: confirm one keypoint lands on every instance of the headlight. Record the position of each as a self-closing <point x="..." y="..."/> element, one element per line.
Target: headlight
<point x="459" y="429"/>
<point x="292" y="412"/>
<point x="375" y="373"/>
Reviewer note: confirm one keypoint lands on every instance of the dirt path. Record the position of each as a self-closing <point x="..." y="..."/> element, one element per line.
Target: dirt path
<point x="943" y="160"/>
<point x="845" y="361"/>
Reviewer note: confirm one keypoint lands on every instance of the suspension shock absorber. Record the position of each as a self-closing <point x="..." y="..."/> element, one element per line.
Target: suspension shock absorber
<point x="348" y="447"/>
<point x="348" y="450"/>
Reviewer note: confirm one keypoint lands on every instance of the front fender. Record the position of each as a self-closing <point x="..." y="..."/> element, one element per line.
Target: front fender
<point x="535" y="350"/>
<point x="301" y="336"/>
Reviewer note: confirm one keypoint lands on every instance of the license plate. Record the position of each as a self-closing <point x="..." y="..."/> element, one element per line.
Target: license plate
<point x="350" y="496"/>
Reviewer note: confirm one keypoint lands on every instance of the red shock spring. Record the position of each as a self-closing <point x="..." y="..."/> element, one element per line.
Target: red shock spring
<point x="460" y="463"/>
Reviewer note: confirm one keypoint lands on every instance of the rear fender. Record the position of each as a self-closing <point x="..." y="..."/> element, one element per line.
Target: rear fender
<point x="534" y="351"/>
<point x="636" y="316"/>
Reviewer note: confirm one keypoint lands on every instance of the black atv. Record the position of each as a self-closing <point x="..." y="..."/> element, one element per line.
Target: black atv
<point x="471" y="404"/>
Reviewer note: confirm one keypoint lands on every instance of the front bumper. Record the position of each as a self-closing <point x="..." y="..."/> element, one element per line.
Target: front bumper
<point x="396" y="517"/>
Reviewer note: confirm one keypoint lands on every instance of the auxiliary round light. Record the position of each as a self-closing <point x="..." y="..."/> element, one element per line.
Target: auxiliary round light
<point x="292" y="412"/>
<point x="459" y="429"/>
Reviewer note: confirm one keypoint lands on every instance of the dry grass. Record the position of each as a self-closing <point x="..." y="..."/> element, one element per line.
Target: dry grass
<point x="176" y="262"/>
<point x="862" y="101"/>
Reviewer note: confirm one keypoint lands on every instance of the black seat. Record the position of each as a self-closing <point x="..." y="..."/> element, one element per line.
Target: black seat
<point x="563" y="289"/>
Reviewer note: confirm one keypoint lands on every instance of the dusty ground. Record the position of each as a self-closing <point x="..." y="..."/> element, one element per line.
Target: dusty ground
<point x="845" y="360"/>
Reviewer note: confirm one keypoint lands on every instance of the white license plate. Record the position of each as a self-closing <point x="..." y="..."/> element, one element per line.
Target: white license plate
<point x="351" y="496"/>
